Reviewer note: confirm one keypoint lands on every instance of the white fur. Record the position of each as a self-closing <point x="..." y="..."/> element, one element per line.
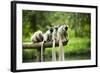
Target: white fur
<point x="54" y="38"/>
<point x="34" y="40"/>
<point x="47" y="35"/>
<point x="36" y="34"/>
<point x="61" y="38"/>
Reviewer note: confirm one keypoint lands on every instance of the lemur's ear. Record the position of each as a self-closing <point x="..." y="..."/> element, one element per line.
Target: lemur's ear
<point x="67" y="25"/>
<point x="48" y="27"/>
<point x="66" y="28"/>
<point x="56" y="27"/>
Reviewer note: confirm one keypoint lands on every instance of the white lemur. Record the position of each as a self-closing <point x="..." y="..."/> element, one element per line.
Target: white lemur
<point x="54" y="38"/>
<point x="62" y="35"/>
<point x="37" y="37"/>
<point x="53" y="34"/>
<point x="48" y="35"/>
<point x="40" y="37"/>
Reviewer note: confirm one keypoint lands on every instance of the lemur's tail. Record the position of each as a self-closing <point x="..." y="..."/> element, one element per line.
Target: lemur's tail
<point x="42" y="51"/>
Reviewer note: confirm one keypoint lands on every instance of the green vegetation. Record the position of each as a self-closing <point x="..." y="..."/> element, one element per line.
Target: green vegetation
<point x="76" y="49"/>
<point x="79" y="33"/>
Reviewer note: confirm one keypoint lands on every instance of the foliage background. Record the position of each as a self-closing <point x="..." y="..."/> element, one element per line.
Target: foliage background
<point x="79" y="33"/>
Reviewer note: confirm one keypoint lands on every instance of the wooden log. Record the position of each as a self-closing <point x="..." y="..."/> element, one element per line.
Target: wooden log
<point x="38" y="45"/>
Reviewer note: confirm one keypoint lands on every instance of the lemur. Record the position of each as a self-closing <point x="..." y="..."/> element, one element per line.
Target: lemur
<point x="62" y="35"/>
<point x="54" y="38"/>
<point x="37" y="37"/>
<point x="58" y="33"/>
<point x="48" y="35"/>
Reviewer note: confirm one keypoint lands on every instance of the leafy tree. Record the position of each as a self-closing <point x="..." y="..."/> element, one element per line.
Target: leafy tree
<point x="79" y="23"/>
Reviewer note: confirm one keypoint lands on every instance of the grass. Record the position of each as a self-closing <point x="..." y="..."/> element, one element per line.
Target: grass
<point x="29" y="55"/>
<point x="76" y="49"/>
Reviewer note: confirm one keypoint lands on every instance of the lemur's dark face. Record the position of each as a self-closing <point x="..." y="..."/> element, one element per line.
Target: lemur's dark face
<point x="51" y="30"/>
<point x="56" y="28"/>
<point x="66" y="27"/>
